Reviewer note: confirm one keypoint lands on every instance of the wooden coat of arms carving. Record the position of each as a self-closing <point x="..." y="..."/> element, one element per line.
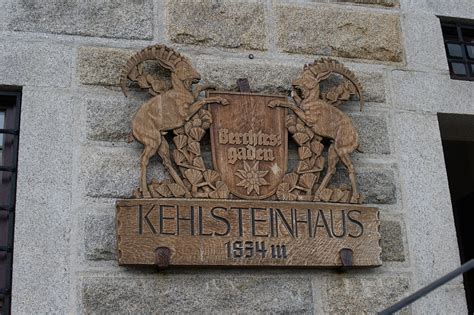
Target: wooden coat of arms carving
<point x="244" y="206"/>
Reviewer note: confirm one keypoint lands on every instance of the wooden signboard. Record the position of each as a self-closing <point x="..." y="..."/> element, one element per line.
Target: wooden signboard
<point x="248" y="208"/>
<point x="246" y="233"/>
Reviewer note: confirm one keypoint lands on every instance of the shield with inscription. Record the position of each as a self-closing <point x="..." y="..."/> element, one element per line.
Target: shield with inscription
<point x="249" y="143"/>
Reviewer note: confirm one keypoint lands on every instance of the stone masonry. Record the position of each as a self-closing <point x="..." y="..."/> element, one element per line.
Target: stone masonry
<point x="74" y="161"/>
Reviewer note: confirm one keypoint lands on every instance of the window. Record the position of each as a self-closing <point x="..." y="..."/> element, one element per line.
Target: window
<point x="457" y="134"/>
<point x="9" y="133"/>
<point x="459" y="44"/>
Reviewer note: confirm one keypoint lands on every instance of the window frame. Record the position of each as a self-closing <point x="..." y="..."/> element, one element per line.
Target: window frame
<point x="468" y="62"/>
<point x="8" y="173"/>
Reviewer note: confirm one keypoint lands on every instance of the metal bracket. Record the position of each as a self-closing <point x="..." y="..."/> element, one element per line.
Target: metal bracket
<point x="347" y="256"/>
<point x="162" y="257"/>
<point x="243" y="84"/>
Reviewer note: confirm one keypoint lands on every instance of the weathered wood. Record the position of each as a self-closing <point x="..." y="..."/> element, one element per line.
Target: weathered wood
<point x="246" y="233"/>
<point x="249" y="151"/>
<point x="166" y="110"/>
<point x="319" y="112"/>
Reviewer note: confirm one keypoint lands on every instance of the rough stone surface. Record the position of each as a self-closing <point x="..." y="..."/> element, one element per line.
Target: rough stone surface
<point x="413" y="90"/>
<point x="448" y="299"/>
<point x="114" y="172"/>
<point x="196" y="294"/>
<point x="385" y="3"/>
<point x="102" y="66"/>
<point x="273" y="77"/>
<point x="455" y="8"/>
<point x="3" y="15"/>
<point x="43" y="203"/>
<point x="35" y="63"/>
<point x="117" y="18"/>
<point x="232" y="24"/>
<point x="109" y="115"/>
<point x="100" y="242"/>
<point x="364" y="295"/>
<point x="338" y="32"/>
<point x="422" y="32"/>
<point x="392" y="241"/>
<point x="429" y="220"/>
<point x="373" y="134"/>
<point x="377" y="186"/>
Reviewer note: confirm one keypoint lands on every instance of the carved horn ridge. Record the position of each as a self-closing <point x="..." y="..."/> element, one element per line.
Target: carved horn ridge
<point x="325" y="65"/>
<point x="167" y="57"/>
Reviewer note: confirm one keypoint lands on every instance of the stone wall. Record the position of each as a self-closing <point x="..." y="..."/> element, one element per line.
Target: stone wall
<point x="74" y="160"/>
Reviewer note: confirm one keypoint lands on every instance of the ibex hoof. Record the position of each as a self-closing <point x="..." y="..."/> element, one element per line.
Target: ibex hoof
<point x="145" y="194"/>
<point x="223" y="101"/>
<point x="355" y="198"/>
<point x="273" y="104"/>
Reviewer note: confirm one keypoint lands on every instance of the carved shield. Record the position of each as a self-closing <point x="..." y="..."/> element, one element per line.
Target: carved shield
<point x="249" y="143"/>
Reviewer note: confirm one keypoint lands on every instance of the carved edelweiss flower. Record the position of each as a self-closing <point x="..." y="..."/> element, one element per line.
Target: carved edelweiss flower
<point x="252" y="178"/>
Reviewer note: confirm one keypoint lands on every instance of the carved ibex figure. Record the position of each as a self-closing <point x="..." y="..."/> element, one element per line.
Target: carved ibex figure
<point x="319" y="112"/>
<point x="166" y="111"/>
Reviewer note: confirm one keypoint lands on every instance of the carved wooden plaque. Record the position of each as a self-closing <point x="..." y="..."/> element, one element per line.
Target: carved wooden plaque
<point x="250" y="151"/>
<point x="248" y="208"/>
<point x="246" y="233"/>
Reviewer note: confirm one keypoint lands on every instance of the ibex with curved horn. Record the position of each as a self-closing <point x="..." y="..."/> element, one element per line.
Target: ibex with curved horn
<point x="166" y="111"/>
<point x="320" y="113"/>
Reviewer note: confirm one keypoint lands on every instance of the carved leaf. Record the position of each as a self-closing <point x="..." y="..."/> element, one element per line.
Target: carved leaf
<point x="317" y="147"/>
<point x="153" y="192"/>
<point x="337" y="195"/>
<point x="302" y="167"/>
<point x="194" y="147"/>
<point x="178" y="131"/>
<point x="200" y="194"/>
<point x="204" y="114"/>
<point x="319" y="163"/>
<point x="197" y="122"/>
<point x="300" y="127"/>
<point x="196" y="133"/>
<point x="283" y="192"/>
<point x="164" y="190"/>
<point x="186" y="182"/>
<point x="211" y="176"/>
<point x="307" y="180"/>
<point x="291" y="123"/>
<point x="305" y="197"/>
<point x="199" y="163"/>
<point x="187" y="126"/>
<point x="176" y="190"/>
<point x="221" y="192"/>
<point x="291" y="179"/>
<point x="304" y="153"/>
<point x="194" y="176"/>
<point x="300" y="138"/>
<point x="206" y="125"/>
<point x="178" y="157"/>
<point x="326" y="194"/>
<point x="309" y="132"/>
<point x="346" y="197"/>
<point x="180" y="141"/>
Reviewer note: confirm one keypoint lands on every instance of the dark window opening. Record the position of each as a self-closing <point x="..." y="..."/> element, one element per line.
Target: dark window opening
<point x="457" y="134"/>
<point x="459" y="44"/>
<point x="9" y="136"/>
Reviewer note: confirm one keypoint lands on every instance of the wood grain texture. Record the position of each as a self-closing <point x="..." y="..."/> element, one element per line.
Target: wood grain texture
<point x="243" y="233"/>
<point x="249" y="143"/>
